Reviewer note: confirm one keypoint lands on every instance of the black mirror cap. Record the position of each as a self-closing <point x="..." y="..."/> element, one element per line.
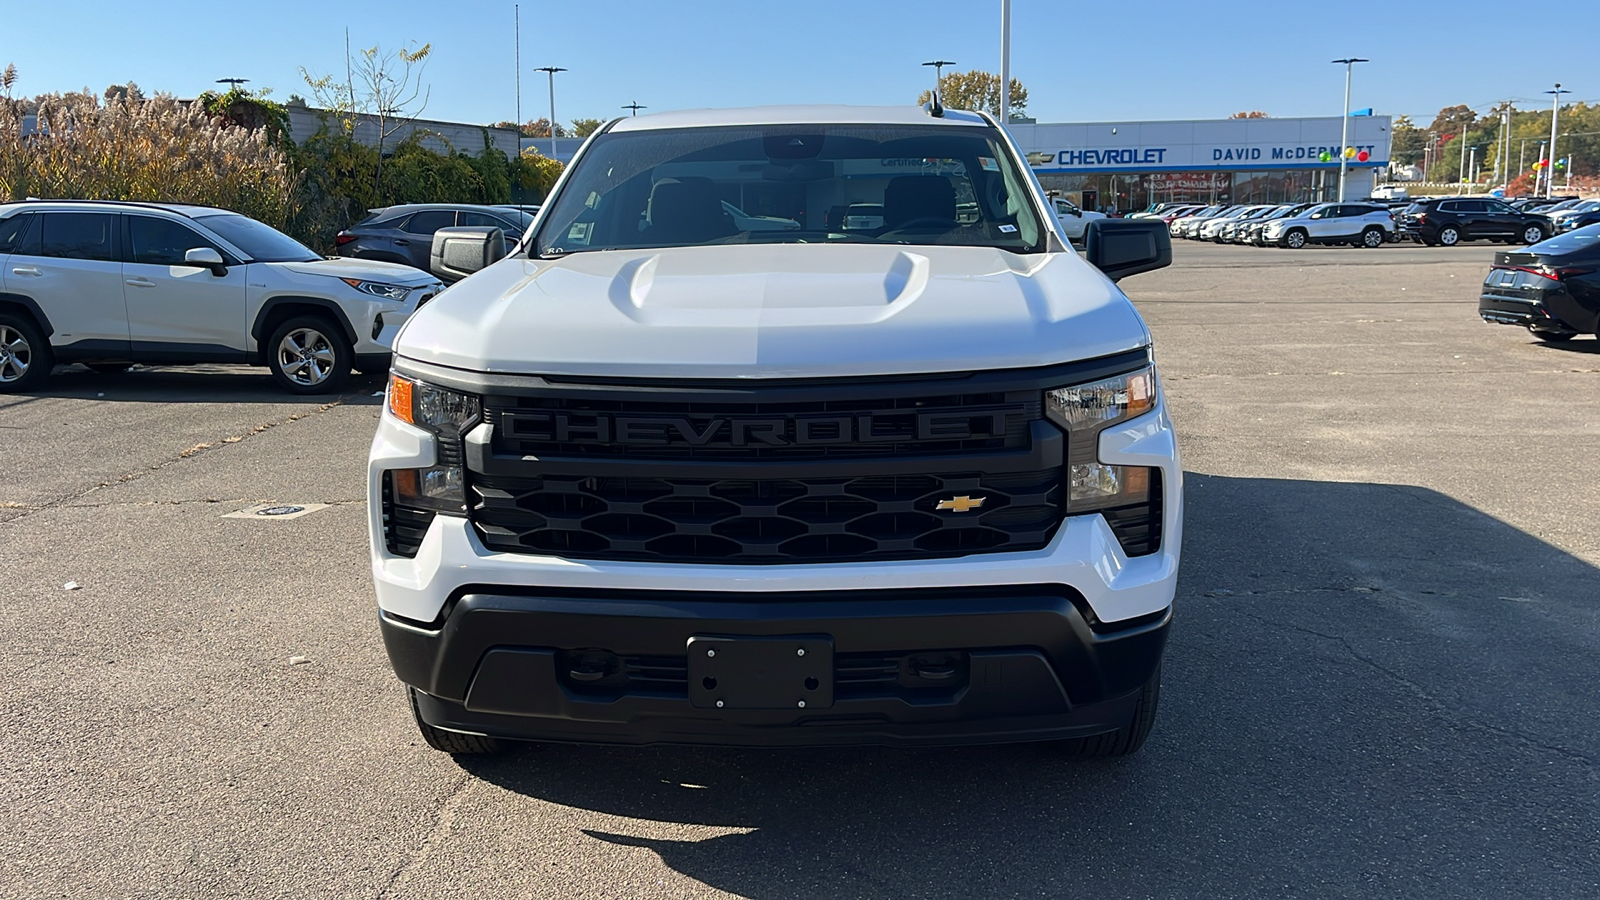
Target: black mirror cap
<point x="462" y="250"/>
<point x="1123" y="247"/>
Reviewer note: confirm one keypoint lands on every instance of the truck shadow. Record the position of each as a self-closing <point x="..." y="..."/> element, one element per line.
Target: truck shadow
<point x="1369" y="688"/>
<point x="195" y="384"/>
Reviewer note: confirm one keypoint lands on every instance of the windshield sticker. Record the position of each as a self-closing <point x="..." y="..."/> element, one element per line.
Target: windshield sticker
<point x="1008" y="229"/>
<point x="988" y="164"/>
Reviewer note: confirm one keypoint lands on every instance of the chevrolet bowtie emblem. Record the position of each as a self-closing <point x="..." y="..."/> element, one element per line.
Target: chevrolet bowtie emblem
<point x="961" y="504"/>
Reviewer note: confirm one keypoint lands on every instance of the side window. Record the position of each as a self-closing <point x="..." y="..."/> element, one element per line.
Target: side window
<point x="429" y="220"/>
<point x="67" y="235"/>
<point x="1450" y="207"/>
<point x="483" y="220"/>
<point x="12" y="231"/>
<point x="161" y="242"/>
<point x="1499" y="208"/>
<point x="1323" y="213"/>
<point x="1471" y="206"/>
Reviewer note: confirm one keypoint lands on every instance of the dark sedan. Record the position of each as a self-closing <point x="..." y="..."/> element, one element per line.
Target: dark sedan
<point x="1552" y="288"/>
<point x="404" y="234"/>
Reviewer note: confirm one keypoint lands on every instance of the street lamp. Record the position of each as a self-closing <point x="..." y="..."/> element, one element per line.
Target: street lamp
<point x="1555" y="110"/>
<point x="1344" y="127"/>
<point x="635" y="106"/>
<point x="552" y="70"/>
<point x="233" y="82"/>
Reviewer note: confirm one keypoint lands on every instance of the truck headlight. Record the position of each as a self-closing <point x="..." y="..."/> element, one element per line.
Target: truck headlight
<point x="1085" y="410"/>
<point x="447" y="415"/>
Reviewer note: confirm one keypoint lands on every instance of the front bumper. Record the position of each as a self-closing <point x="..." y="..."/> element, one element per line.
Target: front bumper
<point x="938" y="666"/>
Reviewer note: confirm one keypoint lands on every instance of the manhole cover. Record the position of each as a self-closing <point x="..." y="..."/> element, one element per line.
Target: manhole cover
<point x="278" y="511"/>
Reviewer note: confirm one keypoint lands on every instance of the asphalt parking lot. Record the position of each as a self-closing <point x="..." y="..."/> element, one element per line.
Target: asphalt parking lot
<point x="1381" y="680"/>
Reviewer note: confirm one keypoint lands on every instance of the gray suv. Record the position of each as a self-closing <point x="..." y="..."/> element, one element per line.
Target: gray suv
<point x="404" y="234"/>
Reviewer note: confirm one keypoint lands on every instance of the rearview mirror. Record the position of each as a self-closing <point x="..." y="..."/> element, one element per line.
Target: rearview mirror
<point x="205" y="258"/>
<point x="460" y="251"/>
<point x="1123" y="247"/>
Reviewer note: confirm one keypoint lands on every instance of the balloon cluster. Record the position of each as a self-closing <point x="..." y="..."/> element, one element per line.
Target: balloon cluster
<point x="1349" y="153"/>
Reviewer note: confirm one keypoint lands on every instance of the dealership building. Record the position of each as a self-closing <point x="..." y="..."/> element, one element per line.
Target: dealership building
<point x="1130" y="165"/>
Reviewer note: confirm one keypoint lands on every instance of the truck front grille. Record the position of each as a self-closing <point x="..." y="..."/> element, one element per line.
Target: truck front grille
<point x="766" y="521"/>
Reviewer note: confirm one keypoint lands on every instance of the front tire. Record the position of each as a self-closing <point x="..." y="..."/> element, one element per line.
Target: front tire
<point x="1449" y="236"/>
<point x="309" y="355"/>
<point x="25" y="355"/>
<point x="1295" y="239"/>
<point x="453" y="742"/>
<point x="1126" y="740"/>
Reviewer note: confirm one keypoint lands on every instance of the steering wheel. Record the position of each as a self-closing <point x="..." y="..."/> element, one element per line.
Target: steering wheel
<point x="925" y="222"/>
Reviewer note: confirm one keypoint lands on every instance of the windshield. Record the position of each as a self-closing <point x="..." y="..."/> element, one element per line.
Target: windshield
<point x="789" y="184"/>
<point x="262" y="243"/>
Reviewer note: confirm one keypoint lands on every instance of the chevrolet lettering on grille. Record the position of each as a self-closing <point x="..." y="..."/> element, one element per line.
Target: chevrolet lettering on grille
<point x="744" y="431"/>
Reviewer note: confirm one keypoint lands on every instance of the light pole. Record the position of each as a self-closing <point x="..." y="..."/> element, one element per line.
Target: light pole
<point x="635" y="106"/>
<point x="1542" y="173"/>
<point x="552" y="70"/>
<point x="233" y="82"/>
<point x="1344" y="126"/>
<point x="1555" y="110"/>
<point x="1005" y="63"/>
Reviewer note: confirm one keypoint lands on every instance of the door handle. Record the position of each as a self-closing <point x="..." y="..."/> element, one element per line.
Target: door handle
<point x="400" y="243"/>
<point x="139" y="282"/>
<point x="26" y="270"/>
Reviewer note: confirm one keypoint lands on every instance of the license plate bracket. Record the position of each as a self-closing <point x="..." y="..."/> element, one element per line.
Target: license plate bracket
<point x="789" y="672"/>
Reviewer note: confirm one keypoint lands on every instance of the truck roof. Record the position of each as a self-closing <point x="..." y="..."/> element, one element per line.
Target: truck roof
<point x="797" y="115"/>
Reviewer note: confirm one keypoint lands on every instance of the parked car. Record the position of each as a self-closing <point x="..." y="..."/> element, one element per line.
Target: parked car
<point x="113" y="284"/>
<point x="1255" y="233"/>
<point x="1583" y="220"/>
<point x="1173" y="213"/>
<point x="1451" y="220"/>
<point x="1551" y="288"/>
<point x="1074" y="221"/>
<point x="1214" y="229"/>
<point x="404" y="234"/>
<point x="1356" y="224"/>
<point x="1184" y="226"/>
<point x="1562" y="221"/>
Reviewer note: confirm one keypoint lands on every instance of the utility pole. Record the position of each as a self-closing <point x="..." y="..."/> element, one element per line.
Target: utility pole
<point x="1344" y="126"/>
<point x="516" y="12"/>
<point x="1005" y="63"/>
<point x="1555" y="110"/>
<point x="552" y="70"/>
<point x="1472" y="169"/>
<point x="1463" y="137"/>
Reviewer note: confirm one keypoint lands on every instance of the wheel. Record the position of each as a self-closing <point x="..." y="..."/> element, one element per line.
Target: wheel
<point x="1295" y="239"/>
<point x="1533" y="234"/>
<point x="1372" y="237"/>
<point x="1553" y="337"/>
<point x="25" y="356"/>
<point x="452" y="741"/>
<point x="1449" y="236"/>
<point x="1126" y="740"/>
<point x="309" y="355"/>
<point x="109" y="368"/>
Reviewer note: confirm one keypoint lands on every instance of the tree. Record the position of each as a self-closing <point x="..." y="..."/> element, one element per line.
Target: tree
<point x="1252" y="114"/>
<point x="1406" y="142"/>
<point x="537" y="173"/>
<point x="977" y="90"/>
<point x="585" y="127"/>
<point x="386" y="85"/>
<point x="534" y="128"/>
<point x="1452" y="119"/>
<point x="246" y="110"/>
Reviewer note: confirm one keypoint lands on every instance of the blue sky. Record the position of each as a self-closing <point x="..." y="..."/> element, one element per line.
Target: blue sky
<point x="1081" y="60"/>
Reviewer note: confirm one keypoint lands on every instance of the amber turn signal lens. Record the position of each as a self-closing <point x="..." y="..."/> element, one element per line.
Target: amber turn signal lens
<point x="400" y="398"/>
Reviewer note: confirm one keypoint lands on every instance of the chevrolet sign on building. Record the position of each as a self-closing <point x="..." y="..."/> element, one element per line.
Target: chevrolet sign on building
<point x="1130" y="165"/>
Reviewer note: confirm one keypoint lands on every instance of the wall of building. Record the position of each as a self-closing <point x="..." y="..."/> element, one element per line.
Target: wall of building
<point x="1129" y="165"/>
<point x="442" y="137"/>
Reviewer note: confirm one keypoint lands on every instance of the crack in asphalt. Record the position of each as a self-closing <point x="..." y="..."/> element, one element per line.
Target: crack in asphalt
<point x="444" y="818"/>
<point x="1440" y="708"/>
<point x="189" y="453"/>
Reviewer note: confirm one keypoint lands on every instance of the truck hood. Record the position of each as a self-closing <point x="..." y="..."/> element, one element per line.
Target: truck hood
<point x="775" y="311"/>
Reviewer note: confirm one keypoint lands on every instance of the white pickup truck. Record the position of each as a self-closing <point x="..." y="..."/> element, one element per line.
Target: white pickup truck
<point x="1073" y="221"/>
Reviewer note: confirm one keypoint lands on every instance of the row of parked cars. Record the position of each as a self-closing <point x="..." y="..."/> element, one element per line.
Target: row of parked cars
<point x="1291" y="225"/>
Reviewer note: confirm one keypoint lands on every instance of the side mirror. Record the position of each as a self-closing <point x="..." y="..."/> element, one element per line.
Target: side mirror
<point x="460" y="251"/>
<point x="1123" y="247"/>
<point x="206" y="258"/>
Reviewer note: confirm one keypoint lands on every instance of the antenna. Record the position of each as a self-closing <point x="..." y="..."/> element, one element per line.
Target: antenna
<point x="635" y="106"/>
<point x="935" y="108"/>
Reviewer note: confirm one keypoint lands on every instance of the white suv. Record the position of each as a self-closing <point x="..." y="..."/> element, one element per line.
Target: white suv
<point x="113" y="284"/>
<point x="661" y="476"/>
<point x="1356" y="224"/>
